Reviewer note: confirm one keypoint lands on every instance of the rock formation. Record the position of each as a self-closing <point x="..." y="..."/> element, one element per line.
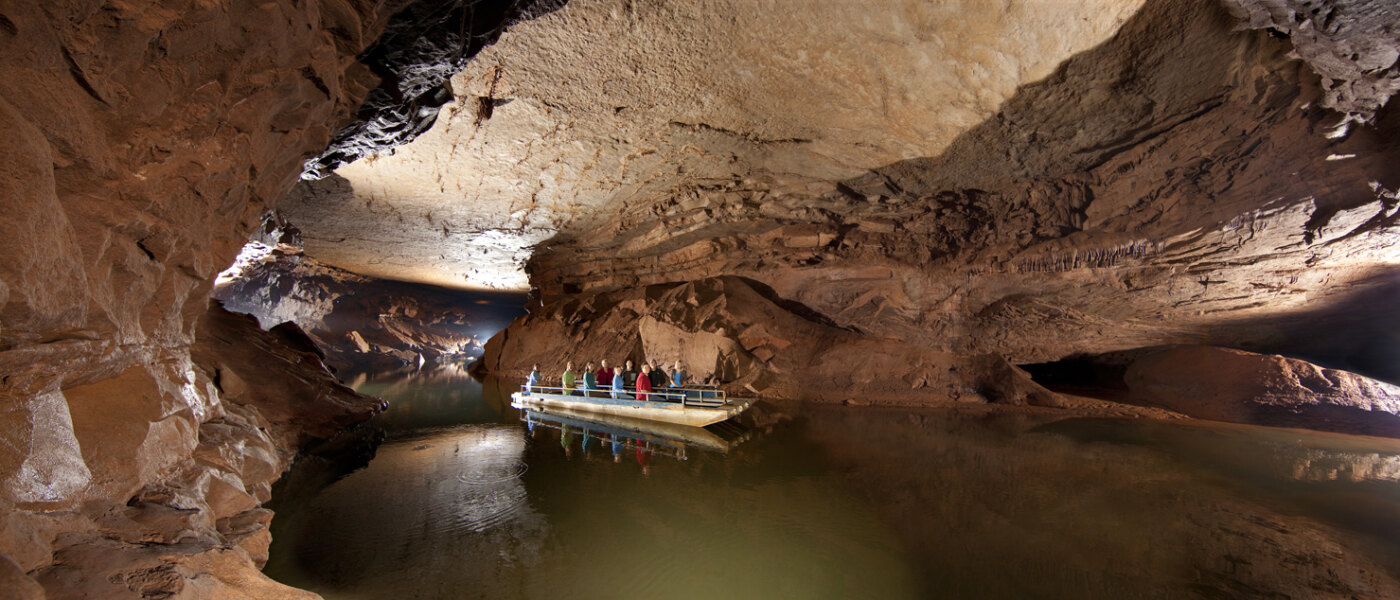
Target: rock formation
<point x="359" y="322"/>
<point x="1188" y="181"/>
<point x="144" y="141"/>
<point x="1242" y="387"/>
<point x="941" y="191"/>
<point x="169" y="494"/>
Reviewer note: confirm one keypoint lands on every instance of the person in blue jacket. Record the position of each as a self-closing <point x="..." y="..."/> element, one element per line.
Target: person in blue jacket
<point x="619" y="385"/>
<point x="534" y="380"/>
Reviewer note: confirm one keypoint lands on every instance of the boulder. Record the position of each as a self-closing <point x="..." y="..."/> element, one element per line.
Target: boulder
<point x="1222" y="384"/>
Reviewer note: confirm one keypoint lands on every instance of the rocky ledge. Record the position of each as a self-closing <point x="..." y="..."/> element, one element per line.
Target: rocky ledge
<point x="159" y="492"/>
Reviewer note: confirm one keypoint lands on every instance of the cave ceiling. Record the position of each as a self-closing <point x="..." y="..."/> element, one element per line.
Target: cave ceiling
<point x="605" y="105"/>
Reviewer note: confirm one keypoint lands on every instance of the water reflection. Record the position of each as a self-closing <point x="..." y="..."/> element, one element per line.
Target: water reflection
<point x="841" y="503"/>
<point x="621" y="433"/>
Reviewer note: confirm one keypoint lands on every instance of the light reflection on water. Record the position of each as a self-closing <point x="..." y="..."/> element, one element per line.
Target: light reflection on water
<point x="465" y="500"/>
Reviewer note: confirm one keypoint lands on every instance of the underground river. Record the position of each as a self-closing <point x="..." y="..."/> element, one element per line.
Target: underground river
<point x="462" y="497"/>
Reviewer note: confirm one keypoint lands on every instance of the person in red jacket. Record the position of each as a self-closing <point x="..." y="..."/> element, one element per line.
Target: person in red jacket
<point x="644" y="383"/>
<point x="605" y="374"/>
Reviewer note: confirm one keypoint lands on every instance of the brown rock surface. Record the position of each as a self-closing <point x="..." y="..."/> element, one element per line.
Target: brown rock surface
<point x="738" y="334"/>
<point x="360" y="322"/>
<point x="143" y="141"/>
<point x="1175" y="184"/>
<point x="605" y="104"/>
<point x="165" y="499"/>
<point x="1243" y="387"/>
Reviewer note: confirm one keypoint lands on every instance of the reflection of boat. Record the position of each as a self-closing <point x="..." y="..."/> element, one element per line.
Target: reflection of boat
<point x="655" y="432"/>
<point x="667" y="439"/>
<point x="683" y="406"/>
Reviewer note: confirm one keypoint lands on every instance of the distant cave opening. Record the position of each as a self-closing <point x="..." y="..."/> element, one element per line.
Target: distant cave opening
<point x="1082" y="375"/>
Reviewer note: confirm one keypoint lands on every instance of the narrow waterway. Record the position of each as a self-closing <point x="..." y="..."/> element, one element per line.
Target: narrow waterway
<point x="452" y="494"/>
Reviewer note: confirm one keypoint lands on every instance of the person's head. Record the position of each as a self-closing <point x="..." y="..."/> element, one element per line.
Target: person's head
<point x="629" y="365"/>
<point x="652" y="362"/>
<point x="588" y="367"/>
<point x="646" y="368"/>
<point x="678" y="366"/>
<point x="605" y="363"/>
<point x="536" y="367"/>
<point x="569" y="366"/>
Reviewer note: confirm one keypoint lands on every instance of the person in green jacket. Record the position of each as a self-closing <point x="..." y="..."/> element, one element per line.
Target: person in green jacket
<point x="568" y="378"/>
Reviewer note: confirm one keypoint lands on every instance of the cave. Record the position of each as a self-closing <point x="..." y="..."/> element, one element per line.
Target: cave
<point x="965" y="258"/>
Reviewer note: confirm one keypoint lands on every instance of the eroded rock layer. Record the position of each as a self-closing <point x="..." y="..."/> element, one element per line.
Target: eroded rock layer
<point x="359" y="322"/>
<point x="152" y="497"/>
<point x="1188" y="181"/>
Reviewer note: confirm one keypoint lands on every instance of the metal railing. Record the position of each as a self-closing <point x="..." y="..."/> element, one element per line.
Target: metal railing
<point x="685" y="396"/>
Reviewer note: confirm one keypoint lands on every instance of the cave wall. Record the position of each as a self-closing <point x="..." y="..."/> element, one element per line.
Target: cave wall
<point x="144" y="140"/>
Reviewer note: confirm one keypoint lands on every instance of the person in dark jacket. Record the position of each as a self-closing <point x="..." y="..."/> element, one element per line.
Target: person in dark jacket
<point x="630" y="374"/>
<point x="658" y="375"/>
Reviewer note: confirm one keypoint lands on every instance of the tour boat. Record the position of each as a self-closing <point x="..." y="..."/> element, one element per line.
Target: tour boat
<point x="696" y="407"/>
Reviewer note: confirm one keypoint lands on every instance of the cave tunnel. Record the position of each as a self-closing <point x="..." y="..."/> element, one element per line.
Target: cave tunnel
<point x="1030" y="299"/>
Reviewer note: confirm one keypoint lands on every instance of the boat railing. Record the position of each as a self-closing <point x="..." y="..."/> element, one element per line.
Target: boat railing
<point x="685" y="396"/>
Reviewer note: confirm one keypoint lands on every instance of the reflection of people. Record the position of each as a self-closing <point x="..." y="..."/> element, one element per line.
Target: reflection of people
<point x="568" y="378"/>
<point x="644" y="456"/>
<point x="619" y="385"/>
<point x="644" y="383"/>
<point x="566" y="439"/>
<point x="618" y="445"/>
<point x="590" y="380"/>
<point x="534" y="380"/>
<point x="584" y="444"/>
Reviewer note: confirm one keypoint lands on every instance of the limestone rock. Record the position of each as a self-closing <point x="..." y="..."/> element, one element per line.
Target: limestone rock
<point x="423" y="45"/>
<point x="737" y="333"/>
<point x="1243" y="387"/>
<point x="361" y="322"/>
<point x="605" y="105"/>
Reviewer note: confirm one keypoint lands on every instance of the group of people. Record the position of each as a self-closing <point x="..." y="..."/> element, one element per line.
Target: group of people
<point x="619" y="382"/>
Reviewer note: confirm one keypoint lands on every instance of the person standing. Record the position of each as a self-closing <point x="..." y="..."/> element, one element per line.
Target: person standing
<point x="534" y="380"/>
<point x="605" y="374"/>
<point x="590" y="380"/>
<point x="644" y="383"/>
<point x="658" y="375"/>
<point x="630" y="375"/>
<point x="677" y="375"/>
<point x="619" y="385"/>
<point x="568" y="378"/>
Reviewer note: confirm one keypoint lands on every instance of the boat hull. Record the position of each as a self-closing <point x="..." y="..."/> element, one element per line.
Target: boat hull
<point x="665" y="412"/>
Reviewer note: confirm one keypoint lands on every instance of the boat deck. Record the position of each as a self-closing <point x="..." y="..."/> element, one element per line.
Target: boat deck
<point x="685" y="406"/>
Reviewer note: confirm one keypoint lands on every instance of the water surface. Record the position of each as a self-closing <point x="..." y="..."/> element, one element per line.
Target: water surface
<point x="462" y="499"/>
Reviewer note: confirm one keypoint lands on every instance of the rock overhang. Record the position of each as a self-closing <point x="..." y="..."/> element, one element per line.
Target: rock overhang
<point x="603" y="106"/>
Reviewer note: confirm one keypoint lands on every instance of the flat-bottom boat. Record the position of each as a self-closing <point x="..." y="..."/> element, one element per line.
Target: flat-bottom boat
<point x="696" y="407"/>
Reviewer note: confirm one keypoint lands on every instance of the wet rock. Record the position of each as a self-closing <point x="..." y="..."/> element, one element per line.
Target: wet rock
<point x="1242" y="387"/>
